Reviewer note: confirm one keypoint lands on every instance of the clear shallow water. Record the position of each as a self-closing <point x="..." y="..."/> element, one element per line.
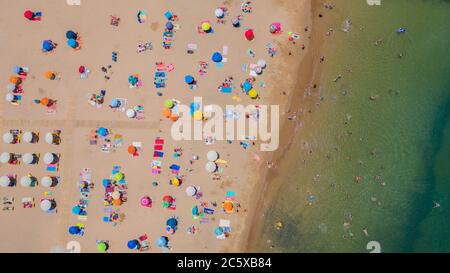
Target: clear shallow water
<point x="398" y="144"/>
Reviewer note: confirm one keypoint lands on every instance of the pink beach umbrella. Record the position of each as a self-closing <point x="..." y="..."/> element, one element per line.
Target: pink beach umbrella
<point x="146" y="201"/>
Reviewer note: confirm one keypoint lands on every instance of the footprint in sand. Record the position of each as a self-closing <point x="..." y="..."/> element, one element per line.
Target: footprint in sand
<point x="154" y="26"/>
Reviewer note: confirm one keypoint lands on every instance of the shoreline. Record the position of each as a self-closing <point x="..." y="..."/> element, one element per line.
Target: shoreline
<point x="268" y="192"/>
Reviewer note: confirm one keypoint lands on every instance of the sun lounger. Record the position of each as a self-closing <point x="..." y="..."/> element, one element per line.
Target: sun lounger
<point x="158" y="147"/>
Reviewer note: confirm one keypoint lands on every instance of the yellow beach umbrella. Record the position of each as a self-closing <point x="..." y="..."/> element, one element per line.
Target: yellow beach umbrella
<point x="253" y="93"/>
<point x="198" y="115"/>
<point x="206" y="26"/>
<point x="176" y="182"/>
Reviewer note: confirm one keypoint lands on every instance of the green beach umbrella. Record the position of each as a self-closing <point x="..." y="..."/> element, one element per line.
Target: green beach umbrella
<point x="168" y="103"/>
<point x="102" y="247"/>
<point x="118" y="176"/>
<point x="165" y="204"/>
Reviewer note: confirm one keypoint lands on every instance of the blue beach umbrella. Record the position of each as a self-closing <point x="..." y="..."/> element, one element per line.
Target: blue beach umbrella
<point x="188" y="79"/>
<point x="247" y="86"/>
<point x="133" y="244"/>
<point x="218" y="231"/>
<point x="47" y="45"/>
<point x="72" y="43"/>
<point x="172" y="222"/>
<point x="114" y="103"/>
<point x="16" y="69"/>
<point x="195" y="210"/>
<point x="102" y="131"/>
<point x="194" y="107"/>
<point x="132" y="80"/>
<point x="162" y="241"/>
<point x="74" y="230"/>
<point x="76" y="210"/>
<point x="169" y="25"/>
<point x="217" y="57"/>
<point x="106" y="182"/>
<point x="71" y="35"/>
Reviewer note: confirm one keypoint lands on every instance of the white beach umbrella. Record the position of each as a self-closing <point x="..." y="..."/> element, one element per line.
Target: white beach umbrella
<point x="46" y="205"/>
<point x="26" y="181"/>
<point x="28" y="158"/>
<point x="28" y="137"/>
<point x="191" y="191"/>
<point x="212" y="156"/>
<point x="262" y="63"/>
<point x="49" y="158"/>
<point x="5" y="181"/>
<point x="131" y="113"/>
<point x="211" y="167"/>
<point x="8" y="138"/>
<point x="258" y="70"/>
<point x="219" y="13"/>
<point x="9" y="97"/>
<point x="49" y="138"/>
<point x="5" y="157"/>
<point x="10" y="87"/>
<point x="46" y="181"/>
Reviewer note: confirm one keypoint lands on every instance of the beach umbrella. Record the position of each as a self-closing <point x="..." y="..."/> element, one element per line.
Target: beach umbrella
<point x="166" y="112"/>
<point x="133" y="80"/>
<point x="46" y="181"/>
<point x="169" y="25"/>
<point x="165" y="204"/>
<point x="168" y="199"/>
<point x="142" y="16"/>
<point x="174" y="117"/>
<point x="102" y="131"/>
<point x="102" y="247"/>
<point x="172" y="222"/>
<point x="191" y="191"/>
<point x="26" y="181"/>
<point x="132" y="150"/>
<point x="188" y="79"/>
<point x="249" y="35"/>
<point x="212" y="155"/>
<point x="81" y="69"/>
<point x="49" y="138"/>
<point x="206" y="27"/>
<point x="44" y="101"/>
<point x="71" y="35"/>
<point x="235" y="21"/>
<point x="106" y="182"/>
<point x="28" y="14"/>
<point x="198" y="115"/>
<point x="28" y="137"/>
<point x="49" y="75"/>
<point x="211" y="167"/>
<point x="228" y="206"/>
<point x="253" y="94"/>
<point x="50" y="158"/>
<point x="72" y="43"/>
<point x="16" y="69"/>
<point x="117" y="202"/>
<point x="14" y="80"/>
<point x="5" y="157"/>
<point x="8" y="138"/>
<point x="262" y="63"/>
<point x="145" y="201"/>
<point x="247" y="86"/>
<point x="162" y="241"/>
<point x="218" y="231"/>
<point x="115" y="103"/>
<point x="194" y="210"/>
<point x="176" y="182"/>
<point x="10" y="87"/>
<point x="74" y="230"/>
<point x="46" y="205"/>
<point x="194" y="107"/>
<point x="217" y="57"/>
<point x="168" y="104"/>
<point x="118" y="176"/>
<point x="170" y="230"/>
<point x="47" y="45"/>
<point x="9" y="97"/>
<point x="76" y="210"/>
<point x="28" y="158"/>
<point x="115" y="195"/>
<point x="130" y="113"/>
<point x="133" y="244"/>
<point x="5" y="181"/>
<point x="219" y="13"/>
<point x="258" y="70"/>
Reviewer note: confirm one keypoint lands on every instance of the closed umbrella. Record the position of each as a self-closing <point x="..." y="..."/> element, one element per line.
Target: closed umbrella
<point x="50" y="158"/>
<point x="5" y="181"/>
<point x="46" y="181"/>
<point x="8" y="138"/>
<point x="191" y="191"/>
<point x="71" y="35"/>
<point x="131" y="113"/>
<point x="217" y="57"/>
<point x="212" y="155"/>
<point x="26" y="181"/>
<point x="46" y="205"/>
<point x="211" y="167"/>
<point x="28" y="137"/>
<point x="28" y="158"/>
<point x="5" y="157"/>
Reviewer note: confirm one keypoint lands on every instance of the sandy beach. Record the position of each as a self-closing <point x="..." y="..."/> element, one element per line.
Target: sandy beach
<point x="241" y="172"/>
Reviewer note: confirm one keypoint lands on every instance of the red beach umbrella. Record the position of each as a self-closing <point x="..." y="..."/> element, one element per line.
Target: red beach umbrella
<point x="249" y="35"/>
<point x="28" y="14"/>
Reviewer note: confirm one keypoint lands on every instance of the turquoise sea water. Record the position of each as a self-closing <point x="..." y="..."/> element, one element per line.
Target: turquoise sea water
<point x="397" y="143"/>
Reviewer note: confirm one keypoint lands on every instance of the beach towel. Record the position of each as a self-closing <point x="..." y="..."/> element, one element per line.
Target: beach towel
<point x="158" y="147"/>
<point x="208" y="211"/>
<point x="158" y="154"/>
<point x="52" y="167"/>
<point x="159" y="141"/>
